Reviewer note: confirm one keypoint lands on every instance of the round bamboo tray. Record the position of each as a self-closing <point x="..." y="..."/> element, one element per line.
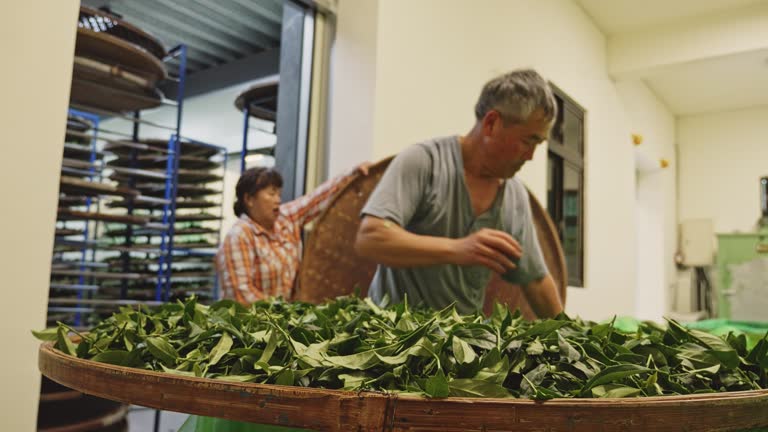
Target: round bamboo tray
<point x="101" y="21"/>
<point x="331" y="268"/>
<point x="108" y="87"/>
<point x="261" y="100"/>
<point x="159" y="147"/>
<point x="78" y="125"/>
<point x="114" y="51"/>
<point x="335" y="410"/>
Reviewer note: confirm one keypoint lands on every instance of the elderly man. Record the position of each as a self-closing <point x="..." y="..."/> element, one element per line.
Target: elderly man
<point x="449" y="211"/>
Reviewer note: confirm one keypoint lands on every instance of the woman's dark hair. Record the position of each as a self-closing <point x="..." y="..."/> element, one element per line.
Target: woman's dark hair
<point x="252" y="181"/>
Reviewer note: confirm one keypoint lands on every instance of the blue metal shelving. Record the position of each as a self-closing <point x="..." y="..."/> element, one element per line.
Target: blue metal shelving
<point x="89" y="247"/>
<point x="85" y="273"/>
<point x="167" y="248"/>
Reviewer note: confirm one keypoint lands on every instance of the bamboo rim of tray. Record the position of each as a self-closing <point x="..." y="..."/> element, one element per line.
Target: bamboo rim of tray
<point x="103" y="72"/>
<point x="338" y="410"/>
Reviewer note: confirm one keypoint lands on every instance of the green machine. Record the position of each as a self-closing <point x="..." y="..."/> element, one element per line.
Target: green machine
<point x="742" y="264"/>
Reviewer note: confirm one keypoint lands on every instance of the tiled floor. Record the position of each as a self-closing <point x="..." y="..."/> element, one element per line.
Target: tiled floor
<point x="142" y="419"/>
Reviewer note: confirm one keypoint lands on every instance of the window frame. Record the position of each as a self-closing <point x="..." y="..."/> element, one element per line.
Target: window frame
<point x="560" y="155"/>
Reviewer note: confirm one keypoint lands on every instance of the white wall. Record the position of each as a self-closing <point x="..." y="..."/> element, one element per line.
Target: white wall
<point x="656" y="200"/>
<point x="35" y="89"/>
<point x="431" y="59"/>
<point x="351" y="85"/>
<point x="722" y="157"/>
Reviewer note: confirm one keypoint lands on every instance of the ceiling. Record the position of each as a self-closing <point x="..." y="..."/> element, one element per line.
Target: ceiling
<point x="216" y="32"/>
<point x="735" y="80"/>
<point x="719" y="84"/>
<point x="620" y="16"/>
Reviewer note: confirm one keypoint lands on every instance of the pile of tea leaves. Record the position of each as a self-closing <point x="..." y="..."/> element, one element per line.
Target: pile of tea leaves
<point x="351" y="343"/>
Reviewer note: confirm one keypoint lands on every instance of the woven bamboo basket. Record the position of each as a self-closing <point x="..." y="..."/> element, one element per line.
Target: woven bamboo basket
<point x="331" y="268"/>
<point x="336" y="410"/>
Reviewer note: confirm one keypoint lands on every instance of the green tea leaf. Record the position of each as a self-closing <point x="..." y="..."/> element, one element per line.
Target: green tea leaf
<point x="313" y="354"/>
<point x="462" y="351"/>
<point x="615" y="391"/>
<point x="542" y="329"/>
<point x="360" y="361"/>
<point x="115" y="357"/>
<point x="477" y="336"/>
<point x="719" y="348"/>
<point x="63" y="343"/>
<point x="584" y="368"/>
<point x="567" y="350"/>
<point x="221" y="348"/>
<point x="496" y="373"/>
<point x="476" y="388"/>
<point x="533" y="378"/>
<point x="240" y="378"/>
<point x="285" y="378"/>
<point x="437" y="386"/>
<point x="177" y="371"/>
<point x="354" y="380"/>
<point x="161" y="350"/>
<point x="49" y="334"/>
<point x="419" y="349"/>
<point x="535" y="348"/>
<point x="270" y="349"/>
<point x="83" y="348"/>
<point x="611" y="374"/>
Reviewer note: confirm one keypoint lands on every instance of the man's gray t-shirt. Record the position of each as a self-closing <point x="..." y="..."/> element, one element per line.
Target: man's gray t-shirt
<point x="423" y="191"/>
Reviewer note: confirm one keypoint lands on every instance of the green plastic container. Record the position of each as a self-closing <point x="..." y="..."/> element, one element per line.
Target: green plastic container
<point x="753" y="330"/>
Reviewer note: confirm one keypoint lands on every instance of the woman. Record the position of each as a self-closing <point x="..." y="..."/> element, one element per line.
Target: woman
<point x="260" y="255"/>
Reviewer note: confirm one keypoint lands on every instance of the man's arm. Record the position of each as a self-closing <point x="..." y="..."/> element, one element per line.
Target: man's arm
<point x="543" y="297"/>
<point x="387" y="243"/>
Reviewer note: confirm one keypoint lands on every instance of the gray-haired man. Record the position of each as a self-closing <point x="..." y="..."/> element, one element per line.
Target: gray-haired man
<point x="449" y="211"/>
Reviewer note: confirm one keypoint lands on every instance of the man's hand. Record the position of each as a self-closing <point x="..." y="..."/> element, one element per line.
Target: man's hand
<point x="490" y="248"/>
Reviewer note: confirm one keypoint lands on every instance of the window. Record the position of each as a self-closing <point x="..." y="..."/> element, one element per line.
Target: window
<point x="565" y="183"/>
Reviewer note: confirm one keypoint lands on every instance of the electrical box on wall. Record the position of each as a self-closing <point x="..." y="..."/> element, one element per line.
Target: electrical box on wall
<point x="697" y="242"/>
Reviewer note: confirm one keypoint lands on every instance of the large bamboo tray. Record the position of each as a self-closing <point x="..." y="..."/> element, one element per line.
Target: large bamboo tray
<point x="334" y="410"/>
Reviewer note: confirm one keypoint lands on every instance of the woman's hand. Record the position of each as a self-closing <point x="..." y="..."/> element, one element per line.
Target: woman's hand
<point x="362" y="169"/>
